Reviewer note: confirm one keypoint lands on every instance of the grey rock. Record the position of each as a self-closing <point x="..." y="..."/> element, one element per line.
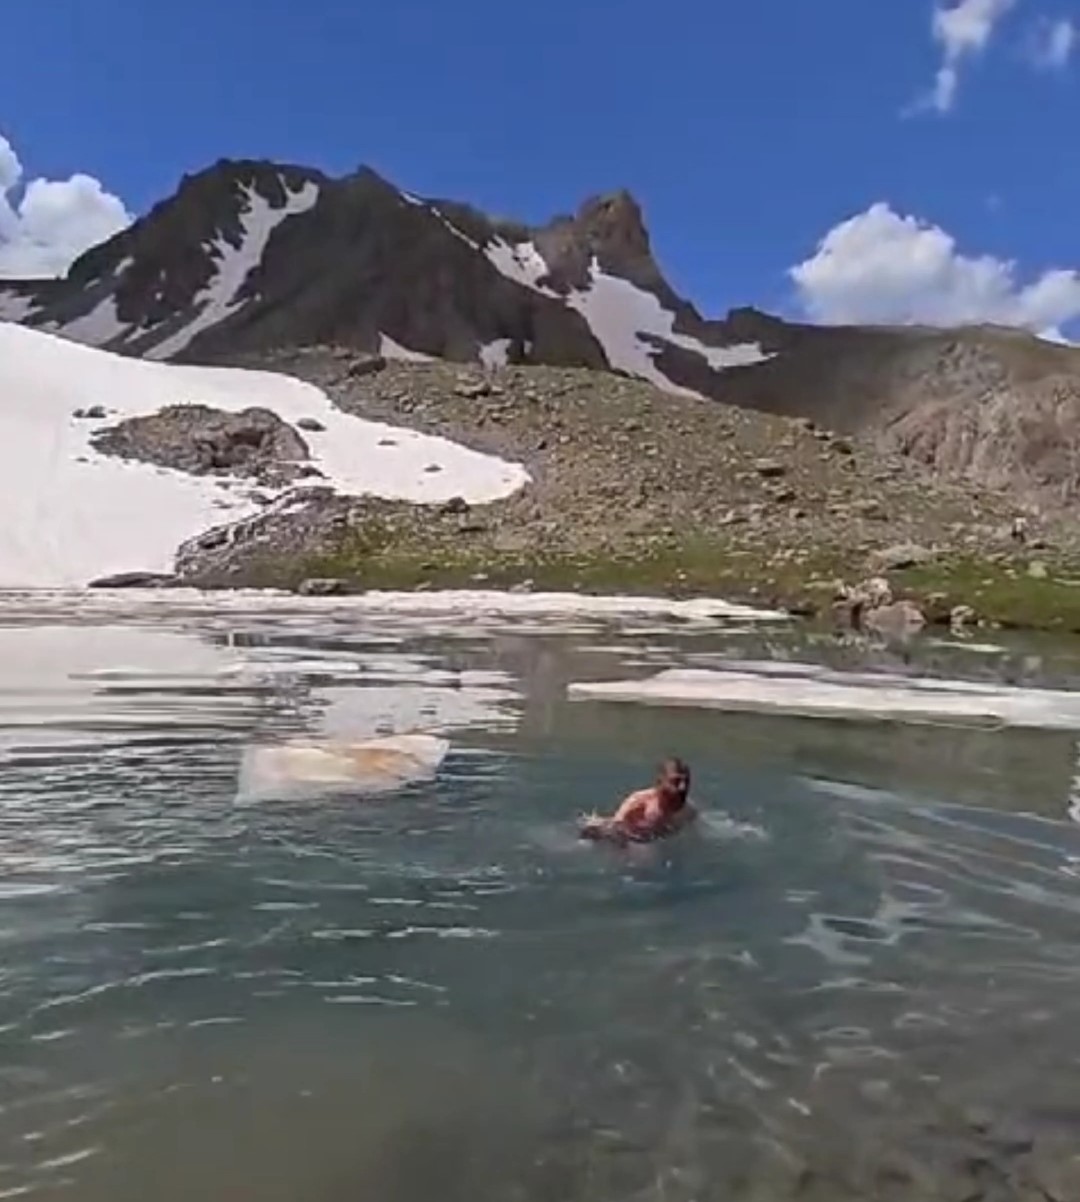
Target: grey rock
<point x="898" y="620"/>
<point x="366" y="365"/>
<point x="93" y="413"/>
<point x="204" y="441"/>
<point x="473" y="392"/>
<point x="1038" y="570"/>
<point x="311" y="424"/>
<point x="769" y="469"/>
<point x="871" y="509"/>
<point x="323" y="586"/>
<point x="961" y="616"/>
<point x="904" y="555"/>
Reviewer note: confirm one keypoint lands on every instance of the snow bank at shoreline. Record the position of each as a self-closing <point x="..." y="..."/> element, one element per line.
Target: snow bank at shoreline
<point x="71" y="514"/>
<point x="38" y="604"/>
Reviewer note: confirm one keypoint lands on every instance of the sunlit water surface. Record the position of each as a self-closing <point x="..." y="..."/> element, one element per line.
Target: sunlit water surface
<point x="857" y="973"/>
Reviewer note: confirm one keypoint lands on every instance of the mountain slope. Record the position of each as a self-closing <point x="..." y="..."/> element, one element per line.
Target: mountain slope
<point x="251" y="257"/>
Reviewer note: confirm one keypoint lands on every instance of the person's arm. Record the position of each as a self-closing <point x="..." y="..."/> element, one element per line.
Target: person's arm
<point x="632" y="809"/>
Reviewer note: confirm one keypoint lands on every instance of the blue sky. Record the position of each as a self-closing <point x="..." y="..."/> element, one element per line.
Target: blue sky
<point x="748" y="131"/>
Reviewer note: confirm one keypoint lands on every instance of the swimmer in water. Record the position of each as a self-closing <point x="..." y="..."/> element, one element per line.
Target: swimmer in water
<point x="648" y="813"/>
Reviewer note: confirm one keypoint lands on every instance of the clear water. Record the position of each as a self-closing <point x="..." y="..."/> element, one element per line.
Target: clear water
<point x="873" y="938"/>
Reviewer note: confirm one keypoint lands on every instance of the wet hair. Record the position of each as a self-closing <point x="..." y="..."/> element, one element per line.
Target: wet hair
<point x="672" y="765"/>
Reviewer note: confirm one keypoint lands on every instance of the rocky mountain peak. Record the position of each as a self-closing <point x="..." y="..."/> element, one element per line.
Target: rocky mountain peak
<point x="614" y="226"/>
<point x="608" y="230"/>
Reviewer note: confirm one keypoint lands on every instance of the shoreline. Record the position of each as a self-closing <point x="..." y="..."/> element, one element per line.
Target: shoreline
<point x="1000" y="595"/>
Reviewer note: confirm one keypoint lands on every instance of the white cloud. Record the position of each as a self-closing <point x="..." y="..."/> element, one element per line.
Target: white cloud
<point x="883" y="268"/>
<point x="963" y="30"/>
<point x="47" y="224"/>
<point x="1052" y="43"/>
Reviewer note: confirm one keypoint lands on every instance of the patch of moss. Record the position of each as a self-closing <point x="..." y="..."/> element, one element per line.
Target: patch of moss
<point x="685" y="569"/>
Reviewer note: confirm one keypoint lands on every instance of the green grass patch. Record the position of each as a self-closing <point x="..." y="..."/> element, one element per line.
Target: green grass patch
<point x="1001" y="593"/>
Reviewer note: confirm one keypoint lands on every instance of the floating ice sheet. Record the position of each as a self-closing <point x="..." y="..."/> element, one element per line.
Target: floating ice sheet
<point x="809" y="690"/>
<point x="319" y="767"/>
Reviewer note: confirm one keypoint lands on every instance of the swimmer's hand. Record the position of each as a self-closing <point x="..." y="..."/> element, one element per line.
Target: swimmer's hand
<point x="594" y="826"/>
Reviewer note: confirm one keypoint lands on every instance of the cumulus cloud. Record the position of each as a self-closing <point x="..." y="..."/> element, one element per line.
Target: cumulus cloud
<point x="962" y="30"/>
<point x="881" y="267"/>
<point x="46" y="224"/>
<point x="1052" y="43"/>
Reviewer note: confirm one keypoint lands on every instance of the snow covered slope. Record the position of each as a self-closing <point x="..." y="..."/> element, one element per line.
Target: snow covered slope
<point x="233" y="263"/>
<point x="70" y="514"/>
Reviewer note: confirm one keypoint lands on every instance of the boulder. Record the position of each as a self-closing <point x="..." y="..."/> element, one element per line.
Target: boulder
<point x="365" y="365"/>
<point x="904" y="555"/>
<point x="255" y="443"/>
<point x="94" y="413"/>
<point x="311" y="424"/>
<point x="473" y="392"/>
<point x="961" y="616"/>
<point x="899" y="620"/>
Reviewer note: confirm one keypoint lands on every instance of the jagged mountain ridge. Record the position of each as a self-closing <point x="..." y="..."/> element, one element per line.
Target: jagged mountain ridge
<point x="249" y="257"/>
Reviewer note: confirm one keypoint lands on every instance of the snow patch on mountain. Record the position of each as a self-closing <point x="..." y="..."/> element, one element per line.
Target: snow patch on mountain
<point x="624" y="319"/>
<point x="520" y="262"/>
<point x="389" y="349"/>
<point x="99" y="327"/>
<point x="72" y="514"/>
<point x="219" y="299"/>
<point x="495" y="354"/>
<point x="459" y="234"/>
<point x="16" y="306"/>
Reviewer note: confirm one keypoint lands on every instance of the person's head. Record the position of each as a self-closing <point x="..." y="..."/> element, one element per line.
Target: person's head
<point x="673" y="781"/>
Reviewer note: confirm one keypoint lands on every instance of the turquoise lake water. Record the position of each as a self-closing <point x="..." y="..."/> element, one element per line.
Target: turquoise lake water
<point x="871" y="943"/>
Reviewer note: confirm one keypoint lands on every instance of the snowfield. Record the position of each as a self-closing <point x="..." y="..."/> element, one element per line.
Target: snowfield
<point x="71" y="514"/>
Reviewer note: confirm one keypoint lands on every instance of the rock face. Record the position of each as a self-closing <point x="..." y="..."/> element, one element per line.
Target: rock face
<point x="254" y="443"/>
<point x="272" y="548"/>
